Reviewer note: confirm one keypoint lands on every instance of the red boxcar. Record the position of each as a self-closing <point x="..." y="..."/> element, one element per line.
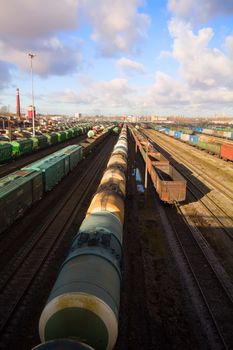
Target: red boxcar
<point x="227" y="151"/>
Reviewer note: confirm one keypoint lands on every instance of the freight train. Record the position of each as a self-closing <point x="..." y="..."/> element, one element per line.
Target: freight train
<point x="83" y="305"/>
<point x="21" y="189"/>
<point x="222" y="150"/>
<point x="168" y="182"/>
<point x="19" y="147"/>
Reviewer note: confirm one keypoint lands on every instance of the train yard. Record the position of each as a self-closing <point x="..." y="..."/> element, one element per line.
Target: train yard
<point x="176" y="273"/>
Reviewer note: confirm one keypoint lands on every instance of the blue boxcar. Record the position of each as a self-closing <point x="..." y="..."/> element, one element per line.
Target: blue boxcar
<point x="177" y="134"/>
<point x="198" y="129"/>
<point x="194" y="139"/>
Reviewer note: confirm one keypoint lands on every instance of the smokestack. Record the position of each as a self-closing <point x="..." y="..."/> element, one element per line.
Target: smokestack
<point x="17" y="103"/>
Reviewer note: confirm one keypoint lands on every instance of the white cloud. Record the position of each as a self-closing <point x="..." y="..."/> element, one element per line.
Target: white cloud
<point x="35" y="19"/>
<point x="53" y="57"/>
<point x="200" y="10"/>
<point x="200" y="66"/>
<point x="130" y="67"/>
<point x="47" y="28"/>
<point x="117" y="25"/>
<point x="104" y="94"/>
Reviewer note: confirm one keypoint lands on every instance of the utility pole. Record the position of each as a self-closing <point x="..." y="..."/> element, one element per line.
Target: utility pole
<point x="31" y="56"/>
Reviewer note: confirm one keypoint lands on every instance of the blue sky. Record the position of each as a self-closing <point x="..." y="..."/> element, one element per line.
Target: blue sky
<point x="171" y="57"/>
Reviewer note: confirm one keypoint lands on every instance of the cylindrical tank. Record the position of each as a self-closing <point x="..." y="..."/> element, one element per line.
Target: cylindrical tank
<point x="115" y="177"/>
<point x="63" y="344"/>
<point x="103" y="221"/>
<point x="120" y="150"/>
<point x="118" y="160"/>
<point x="90" y="134"/>
<point x="116" y="130"/>
<point x="105" y="201"/>
<point x="84" y="302"/>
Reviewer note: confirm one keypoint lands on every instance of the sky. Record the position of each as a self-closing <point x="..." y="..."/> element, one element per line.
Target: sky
<point x="121" y="57"/>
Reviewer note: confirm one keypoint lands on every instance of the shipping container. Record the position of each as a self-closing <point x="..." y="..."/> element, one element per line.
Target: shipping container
<point x="172" y="133"/>
<point x="18" y="191"/>
<point x="5" y="151"/>
<point x="185" y="137"/>
<point x="177" y="134"/>
<point x="194" y="139"/>
<point x="208" y="131"/>
<point x="227" y="134"/>
<point x="213" y="148"/>
<point x="199" y="129"/>
<point x="227" y="151"/>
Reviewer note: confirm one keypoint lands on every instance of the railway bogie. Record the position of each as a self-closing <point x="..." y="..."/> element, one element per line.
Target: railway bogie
<point x="84" y="302"/>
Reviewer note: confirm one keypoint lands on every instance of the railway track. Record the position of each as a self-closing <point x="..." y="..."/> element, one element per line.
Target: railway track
<point x="217" y="299"/>
<point x="22" y="272"/>
<point x="164" y="146"/>
<point x="213" y="286"/>
<point x="223" y="219"/>
<point x="14" y="165"/>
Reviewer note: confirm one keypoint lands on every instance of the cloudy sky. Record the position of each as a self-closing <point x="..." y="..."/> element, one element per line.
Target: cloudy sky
<point x="118" y="57"/>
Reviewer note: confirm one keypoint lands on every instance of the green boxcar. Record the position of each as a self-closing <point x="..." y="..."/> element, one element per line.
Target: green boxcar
<point x="18" y="191"/>
<point x="69" y="134"/>
<point x="23" y="146"/>
<point x="5" y="151"/>
<point x="80" y="130"/>
<point x="61" y="136"/>
<point x="35" y="142"/>
<point x="75" y="153"/>
<point x="42" y="141"/>
<point x="52" y="138"/>
<point x="54" y="168"/>
<point x="75" y="131"/>
<point x="214" y="148"/>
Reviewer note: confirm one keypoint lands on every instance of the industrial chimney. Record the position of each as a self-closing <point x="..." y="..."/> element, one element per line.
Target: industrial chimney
<point x="17" y="103"/>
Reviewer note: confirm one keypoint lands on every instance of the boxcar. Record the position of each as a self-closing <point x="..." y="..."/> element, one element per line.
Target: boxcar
<point x="23" y="146"/>
<point x="75" y="154"/>
<point x="53" y="168"/>
<point x="194" y="139"/>
<point x="214" y="148"/>
<point x="61" y="136"/>
<point x="5" y="151"/>
<point x="227" y="151"/>
<point x="18" y="191"/>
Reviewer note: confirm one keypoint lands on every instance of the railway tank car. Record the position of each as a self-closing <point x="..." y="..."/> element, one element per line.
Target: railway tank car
<point x="62" y="344"/>
<point x="84" y="302"/>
